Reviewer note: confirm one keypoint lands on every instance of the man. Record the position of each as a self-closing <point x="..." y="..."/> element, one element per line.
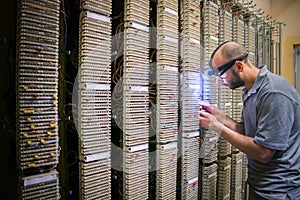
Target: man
<point x="269" y="132"/>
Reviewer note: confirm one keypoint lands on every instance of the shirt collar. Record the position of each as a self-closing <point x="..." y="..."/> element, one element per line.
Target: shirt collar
<point x="259" y="80"/>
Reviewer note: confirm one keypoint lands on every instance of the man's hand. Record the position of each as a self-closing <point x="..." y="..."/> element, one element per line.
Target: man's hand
<point x="208" y="121"/>
<point x="213" y="110"/>
<point x="211" y="117"/>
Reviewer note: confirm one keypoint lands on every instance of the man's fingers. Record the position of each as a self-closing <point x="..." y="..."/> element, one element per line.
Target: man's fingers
<point x="206" y="106"/>
<point x="204" y="113"/>
<point x="204" y="119"/>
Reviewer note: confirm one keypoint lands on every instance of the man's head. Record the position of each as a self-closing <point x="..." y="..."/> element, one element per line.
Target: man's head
<point x="228" y="61"/>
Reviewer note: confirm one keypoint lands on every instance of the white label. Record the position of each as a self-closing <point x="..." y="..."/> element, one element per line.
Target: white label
<point x="139" y="88"/>
<point x="239" y="161"/>
<point x="98" y="17"/>
<point x="212" y="175"/>
<point x="193" y="180"/>
<point x="194" y="86"/>
<point x="140" y="27"/>
<point x="228" y="13"/>
<point x="213" y="139"/>
<point x="169" y="146"/>
<point x="213" y="38"/>
<point x="240" y="21"/>
<point x="41" y="179"/>
<point x="194" y="40"/>
<point x="192" y="75"/>
<point x="97" y="156"/>
<point x="171" y="11"/>
<point x="193" y="134"/>
<point x="213" y="4"/>
<point x="138" y="148"/>
<point x="170" y="39"/>
<point x="168" y="68"/>
<point x="95" y="86"/>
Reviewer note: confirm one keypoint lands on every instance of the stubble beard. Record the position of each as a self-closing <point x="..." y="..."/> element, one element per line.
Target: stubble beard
<point x="236" y="82"/>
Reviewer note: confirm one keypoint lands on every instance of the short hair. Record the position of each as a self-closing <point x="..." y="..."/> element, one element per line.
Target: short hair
<point x="232" y="50"/>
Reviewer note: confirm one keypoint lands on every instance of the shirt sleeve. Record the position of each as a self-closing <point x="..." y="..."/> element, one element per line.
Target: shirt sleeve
<point x="275" y="117"/>
<point x="242" y="117"/>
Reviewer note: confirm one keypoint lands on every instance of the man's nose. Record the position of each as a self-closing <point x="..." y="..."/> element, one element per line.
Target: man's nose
<point x="219" y="80"/>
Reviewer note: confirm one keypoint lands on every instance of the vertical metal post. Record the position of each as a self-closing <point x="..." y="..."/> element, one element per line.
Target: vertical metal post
<point x="296" y="69"/>
<point x="279" y="50"/>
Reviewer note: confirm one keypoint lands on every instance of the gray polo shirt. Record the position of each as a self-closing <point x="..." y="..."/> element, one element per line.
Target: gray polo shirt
<point x="271" y="115"/>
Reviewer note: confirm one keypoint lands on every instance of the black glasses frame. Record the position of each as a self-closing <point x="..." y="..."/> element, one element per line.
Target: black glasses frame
<point x="219" y="71"/>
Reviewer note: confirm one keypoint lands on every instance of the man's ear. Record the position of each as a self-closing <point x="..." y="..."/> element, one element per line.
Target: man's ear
<point x="239" y="66"/>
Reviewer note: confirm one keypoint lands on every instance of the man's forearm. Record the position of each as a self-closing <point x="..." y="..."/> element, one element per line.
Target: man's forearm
<point x="247" y="145"/>
<point x="234" y="125"/>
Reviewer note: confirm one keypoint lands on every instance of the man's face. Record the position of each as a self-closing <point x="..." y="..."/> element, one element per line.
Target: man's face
<point x="233" y="81"/>
<point x="229" y="78"/>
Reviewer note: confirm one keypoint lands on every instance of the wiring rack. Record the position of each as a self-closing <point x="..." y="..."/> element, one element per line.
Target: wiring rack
<point x="225" y="93"/>
<point x="190" y="96"/>
<point x="209" y="150"/>
<point x="166" y="112"/>
<point x="94" y="100"/>
<point x="136" y="99"/>
<point x="37" y="98"/>
<point x="224" y="176"/>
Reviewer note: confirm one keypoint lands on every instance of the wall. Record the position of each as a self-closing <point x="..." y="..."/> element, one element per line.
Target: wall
<point x="288" y="11"/>
<point x="265" y="5"/>
<point x="285" y="11"/>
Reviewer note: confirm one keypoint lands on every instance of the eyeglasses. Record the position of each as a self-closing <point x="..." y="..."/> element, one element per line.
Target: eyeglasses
<point x="219" y="71"/>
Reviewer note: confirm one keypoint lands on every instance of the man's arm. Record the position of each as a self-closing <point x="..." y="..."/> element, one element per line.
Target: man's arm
<point x="242" y="142"/>
<point x="234" y="125"/>
<point x="223" y="118"/>
<point x="247" y="145"/>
